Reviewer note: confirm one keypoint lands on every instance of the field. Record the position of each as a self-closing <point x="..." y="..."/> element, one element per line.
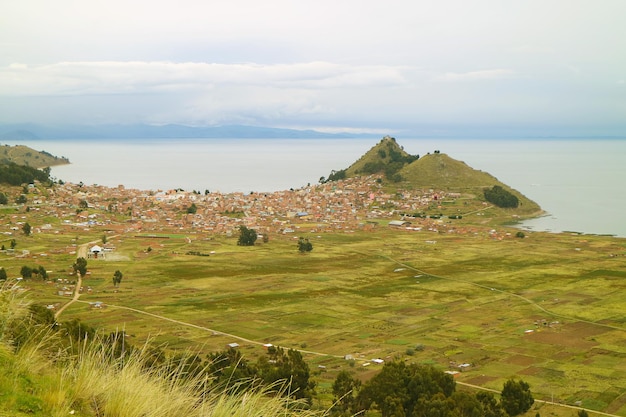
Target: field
<point x="547" y="308"/>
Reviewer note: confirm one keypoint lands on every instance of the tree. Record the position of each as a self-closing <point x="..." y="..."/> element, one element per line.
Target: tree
<point x="516" y="397"/>
<point x="80" y="266"/>
<point x="83" y="204"/>
<point x="500" y="197"/>
<point x="229" y="368"/>
<point x="43" y="274"/>
<point x="583" y="413"/>
<point x="404" y="389"/>
<point x="304" y="245"/>
<point x="26" y="272"/>
<point x="344" y="390"/>
<point x="287" y="367"/>
<point x="247" y="237"/>
<point x="117" y="278"/>
<point x="13" y="243"/>
<point x="4" y="199"/>
<point x="192" y="209"/>
<point x="3" y="274"/>
<point x="490" y="406"/>
<point x="21" y="199"/>
<point x="104" y="239"/>
<point x="26" y="229"/>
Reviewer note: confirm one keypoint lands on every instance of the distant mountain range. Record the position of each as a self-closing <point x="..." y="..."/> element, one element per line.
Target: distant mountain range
<point x="28" y="131"/>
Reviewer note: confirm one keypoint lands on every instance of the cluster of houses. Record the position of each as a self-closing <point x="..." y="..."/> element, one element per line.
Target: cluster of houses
<point x="348" y="204"/>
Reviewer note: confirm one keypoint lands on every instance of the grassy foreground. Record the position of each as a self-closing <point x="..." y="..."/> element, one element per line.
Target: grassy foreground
<point x="93" y="381"/>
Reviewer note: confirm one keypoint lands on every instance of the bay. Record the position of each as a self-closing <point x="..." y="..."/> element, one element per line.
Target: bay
<point x="578" y="182"/>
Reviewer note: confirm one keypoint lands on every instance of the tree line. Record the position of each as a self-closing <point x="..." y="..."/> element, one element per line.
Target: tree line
<point x="14" y="174"/>
<point x="412" y="390"/>
<point x="500" y="197"/>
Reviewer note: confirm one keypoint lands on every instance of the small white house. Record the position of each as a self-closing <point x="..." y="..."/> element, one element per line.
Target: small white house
<point x="95" y="251"/>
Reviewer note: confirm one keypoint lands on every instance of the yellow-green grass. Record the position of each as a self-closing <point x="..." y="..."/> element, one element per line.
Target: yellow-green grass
<point x="468" y="298"/>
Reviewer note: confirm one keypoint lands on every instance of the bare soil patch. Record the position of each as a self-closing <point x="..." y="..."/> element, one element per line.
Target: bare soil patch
<point x="521" y="360"/>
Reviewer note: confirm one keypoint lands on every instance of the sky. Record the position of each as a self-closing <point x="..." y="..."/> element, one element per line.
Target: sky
<point x="554" y="67"/>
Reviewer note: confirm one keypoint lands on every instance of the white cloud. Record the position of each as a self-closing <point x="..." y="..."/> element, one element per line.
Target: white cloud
<point x="312" y="62"/>
<point x="492" y="74"/>
<point x="88" y="78"/>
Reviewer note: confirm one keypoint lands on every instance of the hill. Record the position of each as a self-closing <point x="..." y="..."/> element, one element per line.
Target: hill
<point x="23" y="155"/>
<point x="440" y="171"/>
<point x="435" y="171"/>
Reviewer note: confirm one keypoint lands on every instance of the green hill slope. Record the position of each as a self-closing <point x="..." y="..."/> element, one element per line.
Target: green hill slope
<point x="441" y="172"/>
<point x="23" y="155"/>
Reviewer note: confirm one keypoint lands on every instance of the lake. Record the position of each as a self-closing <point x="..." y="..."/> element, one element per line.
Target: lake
<point x="579" y="182"/>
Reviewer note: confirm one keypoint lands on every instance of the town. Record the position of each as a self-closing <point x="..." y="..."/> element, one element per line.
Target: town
<point x="358" y="203"/>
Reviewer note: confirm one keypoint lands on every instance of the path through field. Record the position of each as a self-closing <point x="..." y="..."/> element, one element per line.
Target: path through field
<point x="83" y="252"/>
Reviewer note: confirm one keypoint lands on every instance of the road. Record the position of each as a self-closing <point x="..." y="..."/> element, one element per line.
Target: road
<point x="81" y="252"/>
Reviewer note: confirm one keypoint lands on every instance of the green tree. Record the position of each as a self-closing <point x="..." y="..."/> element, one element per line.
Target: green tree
<point x="4" y="199"/>
<point x="500" y="197"/>
<point x="229" y="366"/>
<point x="247" y="237"/>
<point x="40" y="314"/>
<point x="192" y="209"/>
<point x="43" y="274"/>
<point x="83" y="204"/>
<point x="415" y="387"/>
<point x="104" y="239"/>
<point x="13" y="243"/>
<point x="14" y="174"/>
<point x="345" y="389"/>
<point x="336" y="175"/>
<point x="516" y="397"/>
<point x="304" y="245"/>
<point x="21" y="199"/>
<point x="26" y="229"/>
<point x="490" y="406"/>
<point x="3" y="274"/>
<point x="288" y="367"/>
<point x="78" y="331"/>
<point x="80" y="266"/>
<point x="117" y="278"/>
<point x="26" y="272"/>
<point x="583" y="413"/>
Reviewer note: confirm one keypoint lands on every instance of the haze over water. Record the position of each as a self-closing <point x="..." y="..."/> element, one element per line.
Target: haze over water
<point x="578" y="182"/>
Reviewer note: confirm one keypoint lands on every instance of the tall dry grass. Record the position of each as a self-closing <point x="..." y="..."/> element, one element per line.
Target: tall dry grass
<point x="92" y="381"/>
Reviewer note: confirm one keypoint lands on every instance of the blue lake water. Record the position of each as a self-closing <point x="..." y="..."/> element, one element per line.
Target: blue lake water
<point x="580" y="183"/>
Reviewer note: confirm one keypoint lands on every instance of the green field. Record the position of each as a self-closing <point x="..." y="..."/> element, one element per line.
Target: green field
<point x="548" y="308"/>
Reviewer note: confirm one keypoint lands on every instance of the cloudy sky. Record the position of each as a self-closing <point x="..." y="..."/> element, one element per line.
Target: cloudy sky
<point x="553" y="66"/>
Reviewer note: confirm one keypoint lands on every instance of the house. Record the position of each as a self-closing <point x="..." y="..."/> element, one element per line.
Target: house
<point x="399" y="223"/>
<point x="94" y="251"/>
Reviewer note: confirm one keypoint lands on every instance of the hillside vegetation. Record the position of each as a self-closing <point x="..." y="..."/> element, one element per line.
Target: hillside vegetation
<point x="23" y="155"/>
